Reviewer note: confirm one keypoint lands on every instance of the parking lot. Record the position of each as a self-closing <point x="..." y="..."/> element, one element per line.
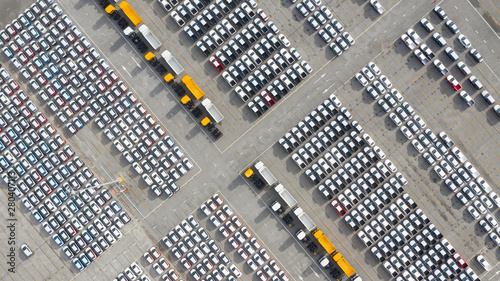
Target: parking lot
<point x="246" y="137"/>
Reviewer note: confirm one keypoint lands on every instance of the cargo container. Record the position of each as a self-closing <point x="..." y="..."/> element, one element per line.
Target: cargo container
<point x="130" y="13"/>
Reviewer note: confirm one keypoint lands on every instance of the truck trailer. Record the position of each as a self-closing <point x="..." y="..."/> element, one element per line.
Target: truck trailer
<point x="172" y="62"/>
<point x="149" y="36"/>
<point x="265" y="173"/>
<point x="130" y="13"/>
<point x="304" y="218"/>
<point x="285" y="195"/>
<point x="193" y="87"/>
<point x="212" y="110"/>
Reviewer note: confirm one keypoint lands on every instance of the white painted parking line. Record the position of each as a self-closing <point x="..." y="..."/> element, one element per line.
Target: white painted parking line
<point x="483" y="19"/>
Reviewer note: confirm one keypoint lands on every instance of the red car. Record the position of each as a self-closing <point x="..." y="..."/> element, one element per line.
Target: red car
<point x="46" y="188"/>
<point x="5" y="139"/>
<point x="101" y="86"/>
<point x="263" y="15"/>
<point x="215" y="62"/>
<point x="98" y="70"/>
<point x="36" y="176"/>
<point x="41" y="117"/>
<point x="7" y="90"/>
<point x="41" y="79"/>
<point x="338" y="207"/>
<point x="79" y="48"/>
<point x="107" y="81"/>
<point x="35" y="123"/>
<point x="11" y="30"/>
<point x="22" y="57"/>
<point x="25" y="112"/>
<point x="13" y="84"/>
<point x="453" y="82"/>
<point x="60" y="101"/>
<point x="113" y="75"/>
<point x="51" y="90"/>
<point x="267" y="98"/>
<point x="147" y="141"/>
<point x="17" y="101"/>
<point x="29" y="52"/>
<point x="460" y="260"/>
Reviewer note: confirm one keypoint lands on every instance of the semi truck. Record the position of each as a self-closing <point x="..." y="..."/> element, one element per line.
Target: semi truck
<point x="265" y="173"/>
<point x="130" y="13"/>
<point x="300" y="234"/>
<point x="149" y="36"/>
<point x="304" y="218"/>
<point x="212" y="110"/>
<point x="335" y="255"/>
<point x="172" y="62"/>
<point x="128" y="30"/>
<point x="285" y="195"/>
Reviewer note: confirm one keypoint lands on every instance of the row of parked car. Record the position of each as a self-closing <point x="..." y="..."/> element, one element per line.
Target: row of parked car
<point x="384" y="216"/>
<point x="437" y="151"/>
<point x="82" y="223"/>
<point x="425" y="55"/>
<point x="135" y="271"/>
<point x="329" y="28"/>
<point x="369" y="190"/>
<point x="193" y="247"/>
<point x="240" y="238"/>
<point x="459" y="175"/>
<point x="78" y="92"/>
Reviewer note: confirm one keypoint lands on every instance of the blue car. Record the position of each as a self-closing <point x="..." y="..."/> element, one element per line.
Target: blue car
<point x="57" y="85"/>
<point x="4" y="163"/>
<point x="19" y="169"/>
<point x="64" y="171"/>
<point x="52" y="182"/>
<point x="73" y="207"/>
<point x="86" y="235"/>
<point x="8" y="52"/>
<point x="34" y="32"/>
<point x="65" y="95"/>
<point x="47" y="74"/>
<point x="12" y="134"/>
<point x="20" y="144"/>
<point x="41" y="169"/>
<point x="78" y="123"/>
<point x="39" y="217"/>
<point x="38" y="62"/>
<point x="32" y="158"/>
<point x="62" y="194"/>
<point x="44" y="57"/>
<point x="53" y="68"/>
<point x="58" y="239"/>
<point x="56" y="199"/>
<point x="83" y="257"/>
<point x="45" y="147"/>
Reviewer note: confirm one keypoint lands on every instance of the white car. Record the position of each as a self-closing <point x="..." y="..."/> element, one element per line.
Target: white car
<point x="361" y="79"/>
<point x="376" y="5"/>
<point x="284" y="40"/>
<point x="464" y="41"/>
<point x="406" y="132"/>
